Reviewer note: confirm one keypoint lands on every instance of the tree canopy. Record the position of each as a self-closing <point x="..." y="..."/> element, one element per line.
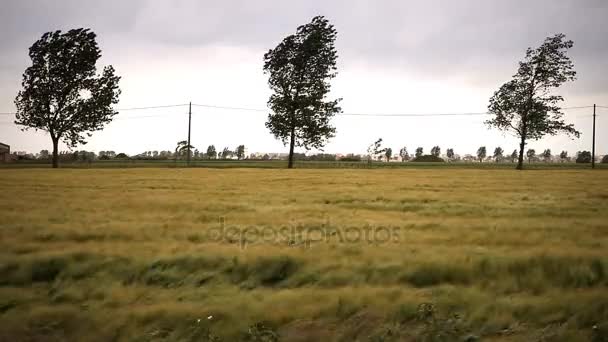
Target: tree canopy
<point x="62" y="94"/>
<point x="481" y="153"/>
<point x="526" y="105"/>
<point x="299" y="70"/>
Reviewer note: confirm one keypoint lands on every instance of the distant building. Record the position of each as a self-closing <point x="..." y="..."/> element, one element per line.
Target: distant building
<point x="5" y="153"/>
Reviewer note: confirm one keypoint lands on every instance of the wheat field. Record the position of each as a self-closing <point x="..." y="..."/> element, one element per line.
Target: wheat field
<point x="303" y="255"/>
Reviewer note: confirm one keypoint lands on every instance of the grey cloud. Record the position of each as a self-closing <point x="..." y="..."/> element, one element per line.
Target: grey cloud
<point x="476" y="39"/>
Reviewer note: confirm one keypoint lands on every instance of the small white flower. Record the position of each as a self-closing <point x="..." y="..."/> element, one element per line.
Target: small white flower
<point x="210" y="317"/>
<point x="198" y="320"/>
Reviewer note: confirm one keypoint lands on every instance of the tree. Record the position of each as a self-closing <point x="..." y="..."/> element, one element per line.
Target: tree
<point x="563" y="156"/>
<point x="388" y="153"/>
<point x="44" y="154"/>
<point x="211" y="153"/>
<point x="122" y="156"/>
<point x="181" y="149"/>
<point x="226" y="153"/>
<point x="481" y="153"/>
<point x="419" y="152"/>
<point x="404" y="154"/>
<point x="498" y="154"/>
<point x="546" y="155"/>
<point x="450" y="154"/>
<point x="514" y="156"/>
<point x="61" y="93"/>
<point x="375" y="150"/>
<point x="300" y="69"/>
<point x="605" y="159"/>
<point x="240" y="152"/>
<point x="531" y="154"/>
<point x="583" y="157"/>
<point x="436" y="151"/>
<point x="526" y="105"/>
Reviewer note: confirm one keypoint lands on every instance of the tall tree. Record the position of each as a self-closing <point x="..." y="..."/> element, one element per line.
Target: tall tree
<point x="388" y="153"/>
<point x="531" y="154"/>
<point x="375" y="150"/>
<point x="180" y="150"/>
<point x="240" y="152"/>
<point x="436" y="151"/>
<point x="514" y="156"/>
<point x="481" y="153"/>
<point x="450" y="154"/>
<point x="62" y="94"/>
<point x="563" y="156"/>
<point x="498" y="154"/>
<point x="404" y="154"/>
<point x="300" y="69"/>
<point x="419" y="152"/>
<point x="211" y="152"/>
<point x="226" y="153"/>
<point x="526" y="105"/>
<point x="546" y="155"/>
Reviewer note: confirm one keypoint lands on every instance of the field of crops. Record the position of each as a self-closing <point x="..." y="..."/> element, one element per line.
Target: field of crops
<point x="206" y="254"/>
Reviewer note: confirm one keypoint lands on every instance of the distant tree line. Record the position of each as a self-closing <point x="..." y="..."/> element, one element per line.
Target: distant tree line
<point x="376" y="153"/>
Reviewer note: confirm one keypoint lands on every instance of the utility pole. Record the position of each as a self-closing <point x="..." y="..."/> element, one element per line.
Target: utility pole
<point x="189" y="125"/>
<point x="593" y="143"/>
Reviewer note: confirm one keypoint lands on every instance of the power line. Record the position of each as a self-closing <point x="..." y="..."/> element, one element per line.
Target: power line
<point x="127" y="109"/>
<point x="340" y="114"/>
<point x="579" y="107"/>
<point x="144" y="116"/>
<point x="152" y="107"/>
<point x="230" y="108"/>
<point x="412" y="114"/>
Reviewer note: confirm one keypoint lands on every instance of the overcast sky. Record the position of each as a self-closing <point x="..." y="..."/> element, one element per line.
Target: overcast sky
<point x="394" y="57"/>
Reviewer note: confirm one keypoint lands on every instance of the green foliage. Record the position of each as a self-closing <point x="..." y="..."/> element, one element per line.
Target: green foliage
<point x="481" y="153"/>
<point x="546" y="155"/>
<point x="419" y="152"/>
<point x="583" y="157"/>
<point x="404" y="154"/>
<point x="428" y="158"/>
<point x="61" y="93"/>
<point x="375" y="150"/>
<point x="531" y="154"/>
<point x="498" y="154"/>
<point x="514" y="156"/>
<point x="605" y="159"/>
<point x="240" y="152"/>
<point x="436" y="151"/>
<point x="526" y="105"/>
<point x="388" y="153"/>
<point x="299" y="70"/>
<point x="450" y="153"/>
<point x="211" y="152"/>
<point x="182" y="149"/>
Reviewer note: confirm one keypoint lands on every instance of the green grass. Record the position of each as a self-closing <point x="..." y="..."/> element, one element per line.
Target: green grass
<point x="404" y="254"/>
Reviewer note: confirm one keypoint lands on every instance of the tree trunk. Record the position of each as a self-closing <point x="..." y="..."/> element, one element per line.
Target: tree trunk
<point x="291" y="146"/>
<point x="55" y="152"/>
<point x="520" y="161"/>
